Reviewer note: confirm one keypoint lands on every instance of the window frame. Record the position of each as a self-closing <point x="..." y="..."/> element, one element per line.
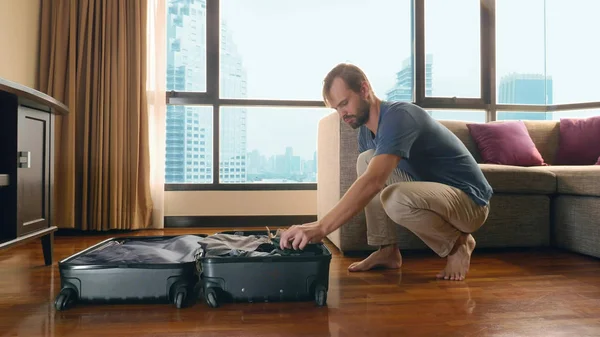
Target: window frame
<point x="486" y="102"/>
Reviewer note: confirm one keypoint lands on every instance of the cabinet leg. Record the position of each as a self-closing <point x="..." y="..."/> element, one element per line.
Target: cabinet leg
<point x="48" y="248"/>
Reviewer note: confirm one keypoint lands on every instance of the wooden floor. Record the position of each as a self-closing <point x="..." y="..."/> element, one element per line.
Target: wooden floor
<point x="528" y="293"/>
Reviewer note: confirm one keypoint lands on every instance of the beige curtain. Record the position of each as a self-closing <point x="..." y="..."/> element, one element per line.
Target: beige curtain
<point x="93" y="58"/>
<point x="157" y="111"/>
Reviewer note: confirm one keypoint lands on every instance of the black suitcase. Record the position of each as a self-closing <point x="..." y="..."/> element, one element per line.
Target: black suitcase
<point x="132" y="269"/>
<point x="293" y="277"/>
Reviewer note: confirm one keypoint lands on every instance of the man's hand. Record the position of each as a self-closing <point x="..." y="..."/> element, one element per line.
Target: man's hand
<point x="297" y="237"/>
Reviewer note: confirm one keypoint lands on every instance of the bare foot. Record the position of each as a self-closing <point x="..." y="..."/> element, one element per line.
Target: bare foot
<point x="459" y="259"/>
<point x="387" y="257"/>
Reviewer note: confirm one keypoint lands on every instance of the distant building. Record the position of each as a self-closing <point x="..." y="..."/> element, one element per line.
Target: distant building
<point x="402" y="91"/>
<point x="189" y="143"/>
<point x="534" y="89"/>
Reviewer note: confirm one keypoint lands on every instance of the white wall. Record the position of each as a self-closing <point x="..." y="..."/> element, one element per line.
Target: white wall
<point x="195" y="203"/>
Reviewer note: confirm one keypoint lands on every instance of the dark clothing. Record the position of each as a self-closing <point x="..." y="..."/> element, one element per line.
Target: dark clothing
<point x="179" y="249"/>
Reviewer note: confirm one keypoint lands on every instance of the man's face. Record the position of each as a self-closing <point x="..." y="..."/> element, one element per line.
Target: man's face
<point x="352" y="107"/>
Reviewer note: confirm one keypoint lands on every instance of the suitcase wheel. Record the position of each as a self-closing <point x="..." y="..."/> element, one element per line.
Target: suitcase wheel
<point x="211" y="298"/>
<point x="320" y="295"/>
<point x="180" y="295"/>
<point x="180" y="299"/>
<point x="65" y="298"/>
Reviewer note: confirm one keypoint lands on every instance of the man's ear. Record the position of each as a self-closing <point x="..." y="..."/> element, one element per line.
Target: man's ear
<point x="364" y="90"/>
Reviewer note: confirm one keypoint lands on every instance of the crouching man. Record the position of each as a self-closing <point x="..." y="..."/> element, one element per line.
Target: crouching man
<point x="411" y="169"/>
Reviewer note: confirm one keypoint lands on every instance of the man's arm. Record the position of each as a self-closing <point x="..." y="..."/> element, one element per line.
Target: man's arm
<point x="397" y="132"/>
<point x="355" y="199"/>
<point x="362" y="191"/>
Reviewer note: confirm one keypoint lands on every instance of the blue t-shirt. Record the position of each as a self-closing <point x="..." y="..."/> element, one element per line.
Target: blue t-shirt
<point x="429" y="151"/>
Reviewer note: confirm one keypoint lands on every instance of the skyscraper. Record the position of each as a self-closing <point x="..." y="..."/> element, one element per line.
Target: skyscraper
<point x="402" y="91"/>
<point x="525" y="89"/>
<point x="233" y="142"/>
<point x="189" y="144"/>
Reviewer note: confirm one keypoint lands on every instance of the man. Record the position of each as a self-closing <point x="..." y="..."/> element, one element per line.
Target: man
<point x="412" y="169"/>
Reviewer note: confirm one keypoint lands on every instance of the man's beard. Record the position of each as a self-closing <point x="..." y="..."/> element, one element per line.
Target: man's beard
<point x="362" y="115"/>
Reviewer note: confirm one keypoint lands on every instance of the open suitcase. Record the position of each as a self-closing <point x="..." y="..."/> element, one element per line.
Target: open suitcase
<point x="132" y="269"/>
<point x="291" y="276"/>
<point x="177" y="269"/>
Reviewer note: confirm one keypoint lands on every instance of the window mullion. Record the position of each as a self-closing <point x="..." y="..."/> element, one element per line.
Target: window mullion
<point x="488" y="57"/>
<point x="419" y="49"/>
<point x="212" y="71"/>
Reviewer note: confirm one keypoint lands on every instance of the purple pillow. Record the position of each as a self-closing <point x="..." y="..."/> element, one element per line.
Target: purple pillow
<point x="506" y="143"/>
<point x="579" y="141"/>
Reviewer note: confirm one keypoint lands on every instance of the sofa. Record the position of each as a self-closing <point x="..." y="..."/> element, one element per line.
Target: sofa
<point x="534" y="206"/>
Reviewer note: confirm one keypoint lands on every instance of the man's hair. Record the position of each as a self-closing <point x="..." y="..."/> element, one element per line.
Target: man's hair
<point x="352" y="75"/>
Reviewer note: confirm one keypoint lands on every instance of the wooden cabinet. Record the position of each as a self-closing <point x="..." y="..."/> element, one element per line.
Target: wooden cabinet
<point x="33" y="171"/>
<point x="26" y="166"/>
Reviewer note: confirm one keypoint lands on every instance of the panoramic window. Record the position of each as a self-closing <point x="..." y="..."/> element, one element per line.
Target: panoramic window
<point x="272" y="144"/>
<point x="273" y="56"/>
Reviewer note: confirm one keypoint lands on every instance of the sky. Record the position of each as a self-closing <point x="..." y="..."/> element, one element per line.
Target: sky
<point x="287" y="47"/>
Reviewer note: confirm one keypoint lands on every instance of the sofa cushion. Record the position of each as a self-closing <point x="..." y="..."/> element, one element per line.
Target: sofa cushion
<point x="517" y="179"/>
<point x="544" y="134"/>
<point x="576" y="180"/>
<point x="505" y="143"/>
<point x="579" y="141"/>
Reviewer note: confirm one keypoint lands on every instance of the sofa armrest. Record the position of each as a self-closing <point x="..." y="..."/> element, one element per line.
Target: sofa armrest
<point x="328" y="169"/>
<point x="337" y="152"/>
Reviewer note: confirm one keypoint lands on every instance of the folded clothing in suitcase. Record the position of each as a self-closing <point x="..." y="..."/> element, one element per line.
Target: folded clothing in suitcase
<point x="231" y="244"/>
<point x="154" y="268"/>
<point x="249" y="266"/>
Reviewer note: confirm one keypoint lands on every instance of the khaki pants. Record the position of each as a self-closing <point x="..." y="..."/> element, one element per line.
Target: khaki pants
<point x="435" y="212"/>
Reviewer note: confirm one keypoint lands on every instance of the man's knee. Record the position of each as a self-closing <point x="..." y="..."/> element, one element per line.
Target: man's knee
<point x="396" y="203"/>
<point x="362" y="162"/>
<point x="399" y="193"/>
